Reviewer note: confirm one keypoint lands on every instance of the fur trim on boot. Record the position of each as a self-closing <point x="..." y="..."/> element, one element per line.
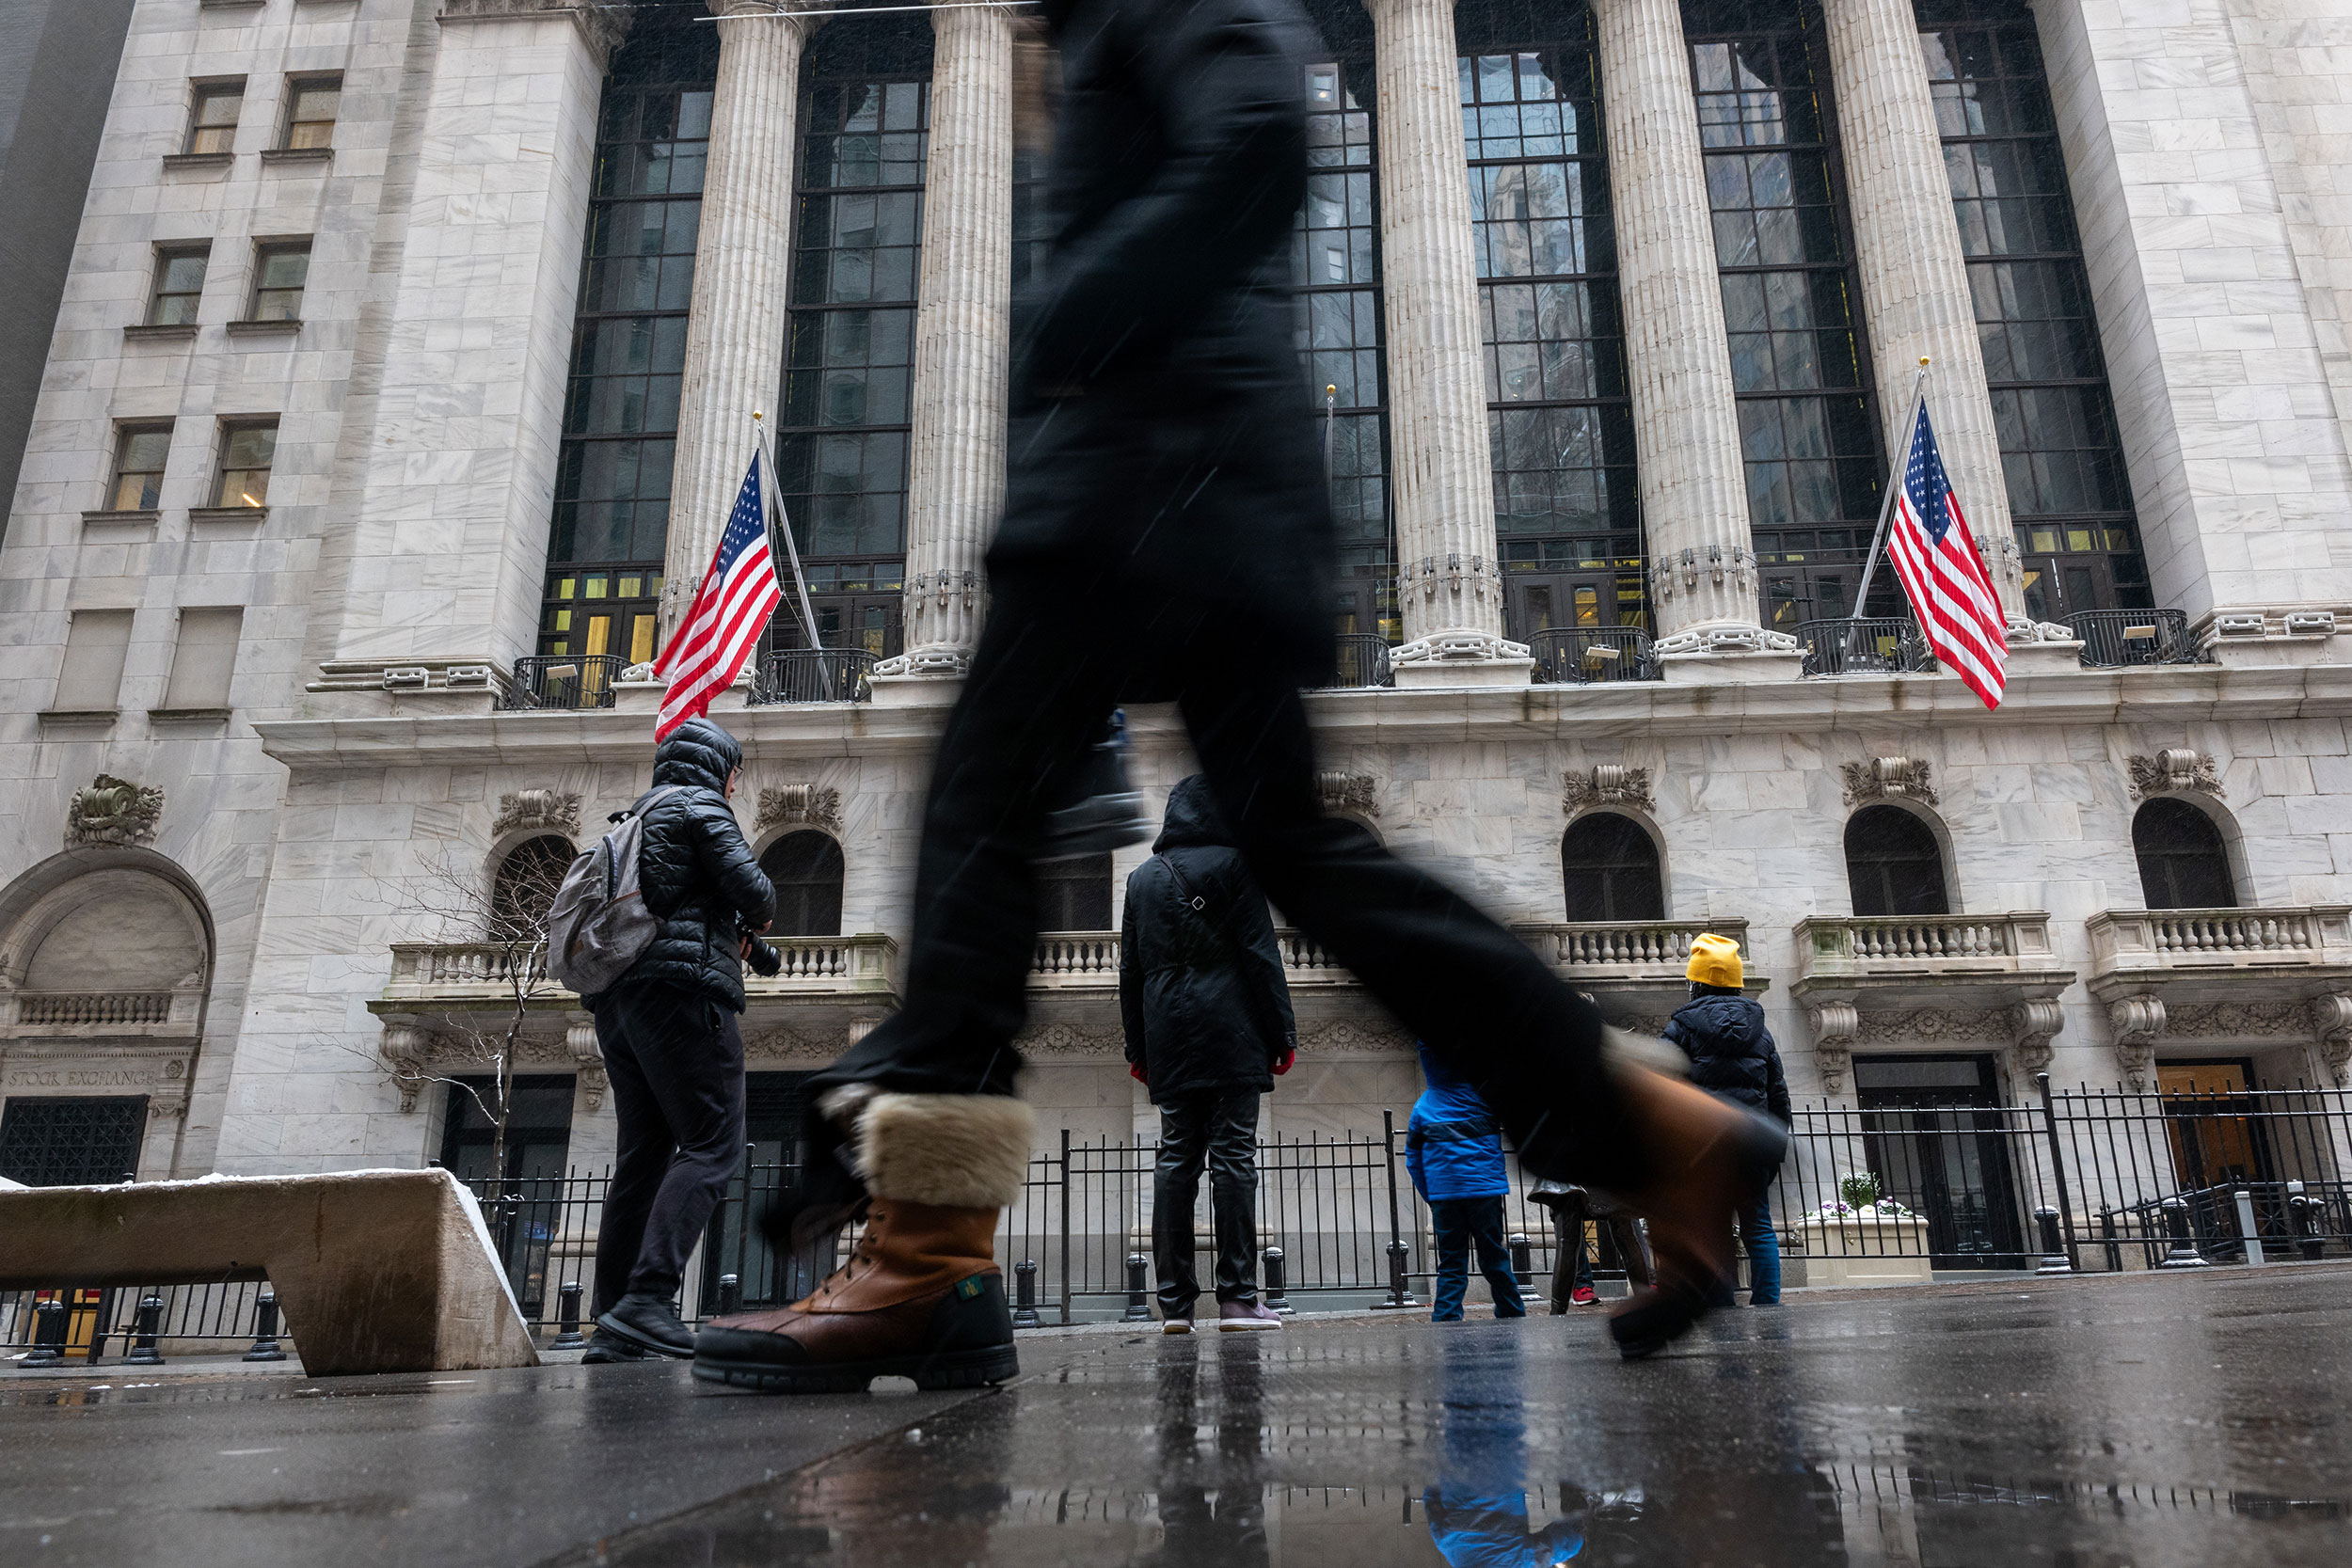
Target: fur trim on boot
<point x="953" y="1150"/>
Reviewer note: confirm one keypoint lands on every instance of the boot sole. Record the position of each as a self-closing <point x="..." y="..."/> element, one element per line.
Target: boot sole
<point x="620" y="1330"/>
<point x="984" y="1367"/>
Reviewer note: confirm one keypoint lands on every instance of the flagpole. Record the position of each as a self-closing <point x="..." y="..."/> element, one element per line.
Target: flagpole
<point x="792" y="552"/>
<point x="1894" y="481"/>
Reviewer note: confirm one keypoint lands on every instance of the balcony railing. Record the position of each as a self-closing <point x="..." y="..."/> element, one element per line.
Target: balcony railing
<point x="815" y="675"/>
<point x="1581" y="656"/>
<point x="1636" y="950"/>
<point x="2241" y="942"/>
<point x="828" y="966"/>
<point x="1863" y="947"/>
<point x="1873" y="646"/>
<point x="2117" y="638"/>
<point x="458" y="974"/>
<point x="1067" y="958"/>
<point x="1361" y="661"/>
<point x="66" y="1008"/>
<point x="564" y="681"/>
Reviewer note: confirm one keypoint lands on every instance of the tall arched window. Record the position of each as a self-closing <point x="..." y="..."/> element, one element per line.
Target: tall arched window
<point x="1609" y="869"/>
<point x="805" y="868"/>
<point x="1074" y="894"/>
<point x="1894" y="863"/>
<point x="2182" y="864"/>
<point x="524" y="889"/>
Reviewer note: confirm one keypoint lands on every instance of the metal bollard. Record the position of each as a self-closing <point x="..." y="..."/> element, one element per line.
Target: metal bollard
<point x="2053" y="1245"/>
<point x="730" y="1295"/>
<point x="2303" y="1213"/>
<point x="567" y="1334"/>
<point x="1398" y="1295"/>
<point x="2182" y="1254"/>
<point x="49" y="1331"/>
<point x="1024" y="1294"/>
<point x="1277" y="1282"/>
<point x="1139" y="1289"/>
<point x="1523" y="1261"/>
<point x="2249" y="1232"/>
<point x="266" y="1346"/>
<point x="143" y="1350"/>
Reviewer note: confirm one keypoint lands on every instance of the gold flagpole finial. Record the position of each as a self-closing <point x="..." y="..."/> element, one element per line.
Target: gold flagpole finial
<point x="756" y="412"/>
<point x="1923" y="365"/>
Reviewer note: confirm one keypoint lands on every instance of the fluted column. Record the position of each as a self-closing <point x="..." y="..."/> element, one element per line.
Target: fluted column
<point x="1686" y="424"/>
<point x="1450" y="584"/>
<point x="1914" y="278"/>
<point x="742" y="268"/>
<point x="963" y="327"/>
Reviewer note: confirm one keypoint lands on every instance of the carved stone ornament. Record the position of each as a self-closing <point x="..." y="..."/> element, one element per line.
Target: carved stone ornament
<point x="580" y="1040"/>
<point x="798" y="802"/>
<point x="1066" y="1040"/>
<point x="1888" y="778"/>
<point x="1347" y="1036"/>
<point x="1834" y="1025"/>
<point x="782" y="1043"/>
<point x="2238" y="1021"/>
<point x="1931" y="1025"/>
<point x="2137" y="1021"/>
<point x="2173" y="770"/>
<point x="407" y="1051"/>
<point x="1356" y="792"/>
<point x="112" y="811"/>
<point x="2035" y="1024"/>
<point x="1607" y="784"/>
<point x="2331" y="1022"/>
<point x="603" y="26"/>
<point x="554" y="811"/>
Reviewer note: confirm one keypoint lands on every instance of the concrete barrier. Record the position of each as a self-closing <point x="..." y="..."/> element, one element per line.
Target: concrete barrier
<point x="386" y="1271"/>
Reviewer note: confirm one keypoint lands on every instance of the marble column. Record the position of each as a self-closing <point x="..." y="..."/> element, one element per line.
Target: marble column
<point x="1914" y="278"/>
<point x="1449" y="582"/>
<point x="1685" y="422"/>
<point x="962" y="329"/>
<point x="742" y="268"/>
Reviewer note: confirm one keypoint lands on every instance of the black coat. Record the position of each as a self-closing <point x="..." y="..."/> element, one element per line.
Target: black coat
<point x="1731" y="1052"/>
<point x="696" y="873"/>
<point x="1164" y="464"/>
<point x="1200" y="991"/>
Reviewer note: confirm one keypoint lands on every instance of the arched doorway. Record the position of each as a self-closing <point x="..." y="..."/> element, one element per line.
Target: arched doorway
<point x="806" y="869"/>
<point x="1609" y="867"/>
<point x="1894" y="863"/>
<point x="2183" y="863"/>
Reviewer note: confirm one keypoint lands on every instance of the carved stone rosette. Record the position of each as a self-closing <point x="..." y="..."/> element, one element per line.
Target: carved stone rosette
<point x="539" y="810"/>
<point x="1356" y="792"/>
<point x="1607" y="784"/>
<point x="2174" y="771"/>
<point x="1888" y="778"/>
<point x="1834" y="1025"/>
<point x="2136" y="1022"/>
<point x="790" y="804"/>
<point x="112" y="811"/>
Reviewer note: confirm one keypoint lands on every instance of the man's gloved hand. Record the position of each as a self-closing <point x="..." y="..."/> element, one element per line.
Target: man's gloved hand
<point x="764" y="959"/>
<point x="1282" y="1064"/>
<point x="1135" y="1071"/>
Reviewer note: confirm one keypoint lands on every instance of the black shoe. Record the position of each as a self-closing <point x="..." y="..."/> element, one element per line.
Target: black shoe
<point x="606" y="1350"/>
<point x="1109" y="814"/>
<point x="650" y="1323"/>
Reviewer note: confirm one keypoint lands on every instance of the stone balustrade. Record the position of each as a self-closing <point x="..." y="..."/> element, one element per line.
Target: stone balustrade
<point x="33" y="1014"/>
<point x="1624" y="949"/>
<point x="1066" y="959"/>
<point x="428" y="974"/>
<point x="1861" y="945"/>
<point x="2234" y="940"/>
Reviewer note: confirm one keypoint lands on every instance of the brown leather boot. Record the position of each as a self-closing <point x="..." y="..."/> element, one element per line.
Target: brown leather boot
<point x="1709" y="1156"/>
<point x="921" y="1295"/>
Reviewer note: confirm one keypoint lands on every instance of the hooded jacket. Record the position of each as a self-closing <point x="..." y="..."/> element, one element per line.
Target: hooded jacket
<point x="697" y="873"/>
<point x="1201" y="990"/>
<point x="1730" y="1050"/>
<point x="1454" y="1143"/>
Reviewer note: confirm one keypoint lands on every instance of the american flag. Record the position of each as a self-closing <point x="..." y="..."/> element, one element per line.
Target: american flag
<point x="1936" y="558"/>
<point x="737" y="594"/>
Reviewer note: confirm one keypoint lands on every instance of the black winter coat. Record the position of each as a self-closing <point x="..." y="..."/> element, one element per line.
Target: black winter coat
<point x="1164" y="465"/>
<point x="697" y="875"/>
<point x="1200" y="991"/>
<point x="1731" y="1052"/>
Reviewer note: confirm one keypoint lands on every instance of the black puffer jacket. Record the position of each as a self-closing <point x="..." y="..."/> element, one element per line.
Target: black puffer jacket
<point x="697" y="875"/>
<point x="1201" y="990"/>
<point x="1730" y="1050"/>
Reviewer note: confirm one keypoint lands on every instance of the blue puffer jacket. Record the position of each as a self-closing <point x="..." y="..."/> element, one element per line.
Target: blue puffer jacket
<point x="1454" y="1145"/>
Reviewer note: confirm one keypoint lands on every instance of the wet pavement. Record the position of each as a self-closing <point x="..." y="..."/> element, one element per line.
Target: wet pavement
<point x="2143" y="1422"/>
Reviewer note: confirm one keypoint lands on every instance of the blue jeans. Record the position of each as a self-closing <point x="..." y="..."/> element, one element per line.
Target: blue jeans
<point x="1462" y="1222"/>
<point x="1762" y="1244"/>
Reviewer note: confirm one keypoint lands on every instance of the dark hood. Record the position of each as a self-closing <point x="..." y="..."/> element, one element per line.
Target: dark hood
<point x="1733" y="1021"/>
<point x="699" y="753"/>
<point x="1192" y="820"/>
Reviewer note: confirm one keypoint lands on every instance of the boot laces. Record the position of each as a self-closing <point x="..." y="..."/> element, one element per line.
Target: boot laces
<point x="864" y="1253"/>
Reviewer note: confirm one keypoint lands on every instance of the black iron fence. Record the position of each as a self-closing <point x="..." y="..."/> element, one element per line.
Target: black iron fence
<point x="556" y="681"/>
<point x="1871" y="644"/>
<point x="2113" y="639"/>
<point x="815" y="675"/>
<point x="1580" y="656"/>
<point x="2080" y="1181"/>
<point x="142" y="1324"/>
<point x="1361" y="659"/>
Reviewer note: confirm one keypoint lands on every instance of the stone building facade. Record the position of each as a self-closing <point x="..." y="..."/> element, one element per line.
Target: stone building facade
<point x="403" y="380"/>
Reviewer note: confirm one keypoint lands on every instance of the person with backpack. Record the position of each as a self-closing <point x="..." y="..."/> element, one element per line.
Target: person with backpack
<point x="1209" y="1028"/>
<point x="1722" y="1030"/>
<point x="1453" y="1152"/>
<point x="665" y="1022"/>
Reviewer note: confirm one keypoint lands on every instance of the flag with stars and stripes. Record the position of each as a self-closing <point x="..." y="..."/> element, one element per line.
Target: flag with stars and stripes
<point x="730" y="609"/>
<point x="1936" y="558"/>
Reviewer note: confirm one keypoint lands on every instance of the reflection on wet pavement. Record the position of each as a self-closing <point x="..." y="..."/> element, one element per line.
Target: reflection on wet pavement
<point x="2093" y="1427"/>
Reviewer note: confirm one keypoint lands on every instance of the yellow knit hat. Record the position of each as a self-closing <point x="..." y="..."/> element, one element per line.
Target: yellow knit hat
<point x="1714" y="961"/>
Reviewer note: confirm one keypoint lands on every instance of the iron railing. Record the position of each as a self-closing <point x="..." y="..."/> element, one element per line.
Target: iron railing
<point x="564" y="681"/>
<point x="1872" y="645"/>
<point x="1360" y="659"/>
<point x="2116" y="639"/>
<point x="815" y="675"/>
<point x="103" y="1323"/>
<point x="1583" y="655"/>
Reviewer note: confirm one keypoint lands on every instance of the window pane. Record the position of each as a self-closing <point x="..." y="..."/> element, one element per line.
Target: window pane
<point x="213" y="125"/>
<point x="247" y="453"/>
<point x="139" y="469"/>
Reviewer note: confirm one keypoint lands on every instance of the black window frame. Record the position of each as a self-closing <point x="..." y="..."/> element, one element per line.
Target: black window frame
<point x="265" y="252"/>
<point x="1887" y="892"/>
<point x="292" y="124"/>
<point x="124" y="433"/>
<point x="202" y="94"/>
<point x="198" y="251"/>
<point x="1606" y="884"/>
<point x="2176" y="865"/>
<point x="807" y="905"/>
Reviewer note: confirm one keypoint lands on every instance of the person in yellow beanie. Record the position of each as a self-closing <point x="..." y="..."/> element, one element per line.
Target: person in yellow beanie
<point x="1722" y="1030"/>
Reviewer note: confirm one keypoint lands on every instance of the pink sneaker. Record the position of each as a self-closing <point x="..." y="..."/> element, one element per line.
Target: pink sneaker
<point x="1584" y="1295"/>
<point x="1235" y="1316"/>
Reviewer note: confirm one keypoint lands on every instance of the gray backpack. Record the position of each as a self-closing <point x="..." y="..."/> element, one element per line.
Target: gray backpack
<point x="599" y="926"/>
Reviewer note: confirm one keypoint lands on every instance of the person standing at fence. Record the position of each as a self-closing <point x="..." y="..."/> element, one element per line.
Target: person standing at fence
<point x="1168" y="536"/>
<point x="671" y="1052"/>
<point x="1209" y="1028"/>
<point x="1572" y="1262"/>
<point x="1453" y="1152"/>
<point x="1722" y="1030"/>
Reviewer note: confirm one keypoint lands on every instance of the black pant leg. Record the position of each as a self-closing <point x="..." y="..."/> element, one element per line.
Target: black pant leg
<point x="1233" y="1194"/>
<point x="691" y="1055"/>
<point x="642" y="1155"/>
<point x="1494" y="1258"/>
<point x="1451" y="1224"/>
<point x="1175" y="1183"/>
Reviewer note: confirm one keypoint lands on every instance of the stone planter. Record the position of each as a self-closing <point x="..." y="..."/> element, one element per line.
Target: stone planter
<point x="1864" y="1250"/>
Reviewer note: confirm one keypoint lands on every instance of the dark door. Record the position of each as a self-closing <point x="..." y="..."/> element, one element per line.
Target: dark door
<point x="772" y="1103"/>
<point x="72" y="1140"/>
<point x="1537" y="602"/>
<point x="872" y="623"/>
<point x="1935" y="1136"/>
<point x="525" y="1210"/>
